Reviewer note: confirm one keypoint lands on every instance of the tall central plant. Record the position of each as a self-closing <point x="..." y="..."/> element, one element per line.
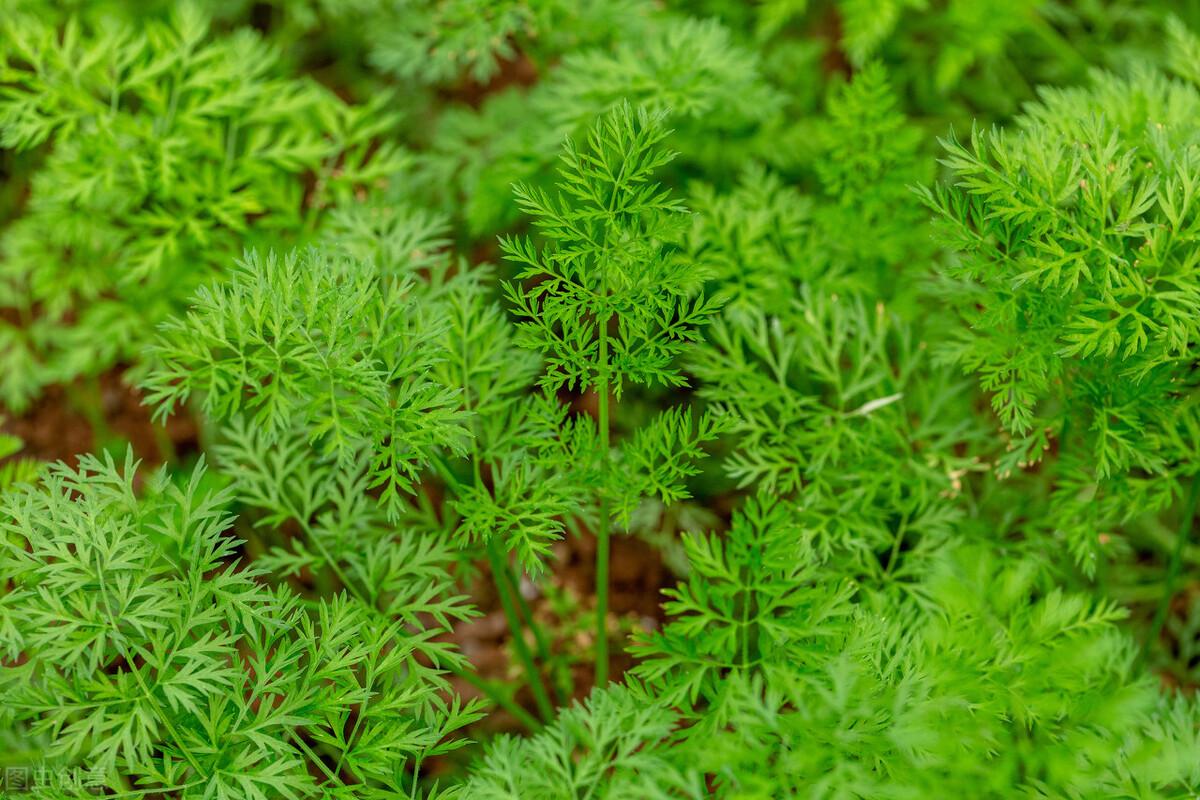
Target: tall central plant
<point x="608" y="300"/>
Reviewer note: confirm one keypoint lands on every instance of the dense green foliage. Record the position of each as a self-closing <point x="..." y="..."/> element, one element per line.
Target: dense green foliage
<point x="869" y="330"/>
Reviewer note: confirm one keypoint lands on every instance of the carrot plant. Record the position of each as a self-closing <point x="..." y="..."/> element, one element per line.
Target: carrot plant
<point x="547" y="399"/>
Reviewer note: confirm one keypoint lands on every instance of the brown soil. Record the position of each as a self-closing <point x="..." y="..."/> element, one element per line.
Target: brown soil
<point x="637" y="578"/>
<point x="517" y="71"/>
<point x="56" y="429"/>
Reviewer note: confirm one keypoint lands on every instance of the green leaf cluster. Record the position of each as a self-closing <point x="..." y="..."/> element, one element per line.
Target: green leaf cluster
<point x="612" y="399"/>
<point x="161" y="152"/>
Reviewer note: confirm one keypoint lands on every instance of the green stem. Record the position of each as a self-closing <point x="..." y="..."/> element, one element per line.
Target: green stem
<point x="602" y="543"/>
<point x="315" y="759"/>
<point x="442" y="468"/>
<point x="156" y="790"/>
<point x="539" y="635"/>
<point x="744" y="633"/>
<point x="1173" y="567"/>
<point x="137" y="676"/>
<point x="165" y="718"/>
<point x="1061" y="46"/>
<point x="358" y="719"/>
<point x="521" y="715"/>
<point x="87" y="398"/>
<point x="896" y="542"/>
<point x="499" y="572"/>
<point x="416" y="772"/>
<point x="162" y="441"/>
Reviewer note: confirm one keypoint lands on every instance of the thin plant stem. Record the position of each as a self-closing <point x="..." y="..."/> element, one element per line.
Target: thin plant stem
<point x="539" y="635"/>
<point x="164" y="717"/>
<point x="314" y="758"/>
<point x="534" y="678"/>
<point x="897" y="541"/>
<point x="87" y="397"/>
<point x="1173" y="567"/>
<point x="154" y="790"/>
<point x="137" y="676"/>
<point x="602" y="543"/>
<point x="744" y="632"/>
<point x="162" y="441"/>
<point x="503" y="701"/>
<point x="500" y="576"/>
<point x="358" y="719"/>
